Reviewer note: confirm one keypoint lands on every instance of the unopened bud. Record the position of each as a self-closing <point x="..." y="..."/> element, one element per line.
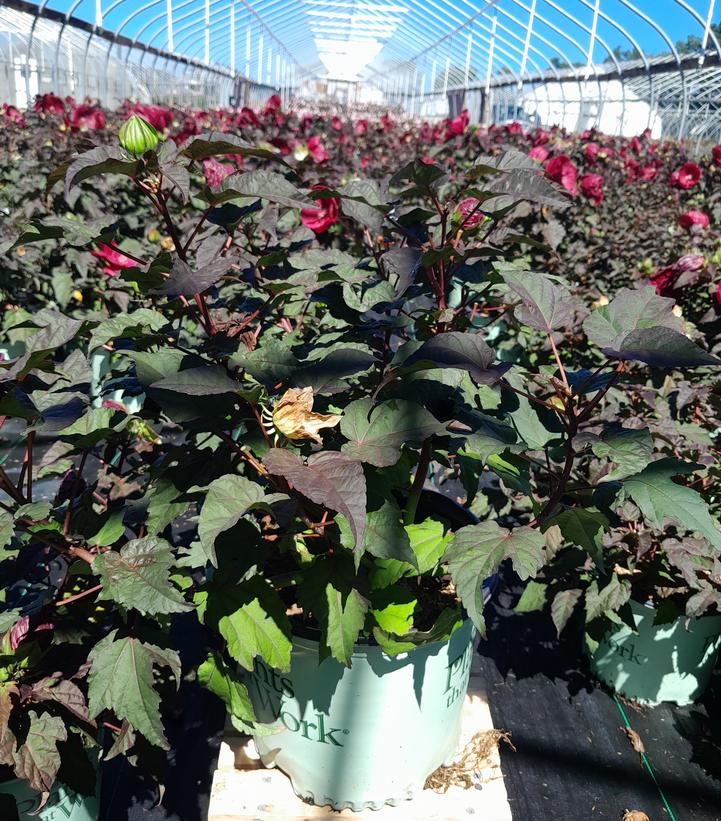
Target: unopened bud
<point x="137" y="136"/>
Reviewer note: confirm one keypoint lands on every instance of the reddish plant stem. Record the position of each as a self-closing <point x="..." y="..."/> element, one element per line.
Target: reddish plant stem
<point x="561" y="369"/>
<point x="29" y="457"/>
<point x="127" y="254"/>
<point x="12" y="491"/>
<point x="77" y="596"/>
<point x="197" y="228"/>
<point x="419" y="480"/>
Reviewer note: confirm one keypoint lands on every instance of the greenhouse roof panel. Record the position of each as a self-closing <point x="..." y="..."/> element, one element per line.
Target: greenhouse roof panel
<point x="402" y="52"/>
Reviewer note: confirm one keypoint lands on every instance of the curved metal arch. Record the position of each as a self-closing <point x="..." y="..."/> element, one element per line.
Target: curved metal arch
<point x="119" y="30"/>
<point x="701" y="22"/>
<point x="63" y="26"/>
<point x="31" y="37"/>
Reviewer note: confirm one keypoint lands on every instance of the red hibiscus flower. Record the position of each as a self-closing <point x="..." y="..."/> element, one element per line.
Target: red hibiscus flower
<point x="86" y="118"/>
<point x="159" y="117"/>
<point x="539" y="152"/>
<point x="247" y="117"/>
<point x="561" y="170"/>
<point x="687" y="176"/>
<point x="669" y="279"/>
<point x="360" y="128"/>
<point x="648" y="172"/>
<point x="274" y="103"/>
<point x="321" y="218"/>
<point x="718" y="293"/>
<point x="11" y="114"/>
<point x="635" y="145"/>
<point x="115" y="261"/>
<point x="215" y="172"/>
<point x="337" y="123"/>
<point x="716" y="155"/>
<point x="663" y="280"/>
<point x="590" y="152"/>
<point x="456" y="127"/>
<point x="693" y="218"/>
<point x="591" y="186"/>
<point x="470" y="213"/>
<point x="514" y="129"/>
<point x="365" y="162"/>
<point x="387" y="123"/>
<point x="317" y="150"/>
<point x="49" y="104"/>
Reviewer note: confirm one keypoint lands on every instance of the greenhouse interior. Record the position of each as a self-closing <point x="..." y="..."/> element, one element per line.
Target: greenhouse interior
<point x="360" y="410"/>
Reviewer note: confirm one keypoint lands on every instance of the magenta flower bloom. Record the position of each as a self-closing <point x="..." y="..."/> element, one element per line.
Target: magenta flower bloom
<point x="591" y="186"/>
<point x="561" y="170"/>
<point x="321" y="218"/>
<point x="694" y="218"/>
<point x="686" y="176"/>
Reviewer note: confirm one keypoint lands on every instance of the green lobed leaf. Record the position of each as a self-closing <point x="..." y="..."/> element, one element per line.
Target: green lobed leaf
<point x="346" y="616"/>
<point x="428" y="542"/>
<point x="476" y="552"/>
<point x="583" y="527"/>
<point x="533" y="598"/>
<point x="7" y="528"/>
<point x="393" y="608"/>
<point x="377" y="432"/>
<point x="126" y="326"/>
<point x="383" y="537"/>
<point x="631" y="450"/>
<point x="8" y="743"/>
<point x="37" y="761"/>
<point x="270" y="363"/>
<point x="640" y="325"/>
<point x="91" y="428"/>
<point x="445" y="625"/>
<point x="216" y="676"/>
<point x="121" y="680"/>
<point x="267" y="185"/>
<point x="228" y="498"/>
<point x="545" y="305"/>
<point x="490" y="436"/>
<point x="138" y="576"/>
<point x="659" y="497"/>
<point x="562" y="607"/>
<point x="205" y="380"/>
<point x="251" y="617"/>
<point x="630" y="310"/>
<point x="466" y="351"/>
<point x="608" y="599"/>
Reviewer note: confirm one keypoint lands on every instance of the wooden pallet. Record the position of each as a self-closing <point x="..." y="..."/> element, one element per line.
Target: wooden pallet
<point x="243" y="790"/>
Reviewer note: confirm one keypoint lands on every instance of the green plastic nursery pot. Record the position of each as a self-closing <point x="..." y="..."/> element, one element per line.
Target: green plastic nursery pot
<point x="100" y="366"/>
<point x="665" y="662"/>
<point x="63" y="805"/>
<point x="368" y="735"/>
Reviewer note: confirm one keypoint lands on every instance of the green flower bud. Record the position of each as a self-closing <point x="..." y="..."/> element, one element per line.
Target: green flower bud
<point x="137" y="136"/>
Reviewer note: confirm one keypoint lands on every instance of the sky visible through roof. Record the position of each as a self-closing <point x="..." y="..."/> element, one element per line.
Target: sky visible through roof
<point x="348" y="38"/>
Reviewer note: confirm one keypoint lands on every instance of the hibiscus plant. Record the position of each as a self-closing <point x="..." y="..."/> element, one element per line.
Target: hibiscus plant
<point x="245" y="434"/>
